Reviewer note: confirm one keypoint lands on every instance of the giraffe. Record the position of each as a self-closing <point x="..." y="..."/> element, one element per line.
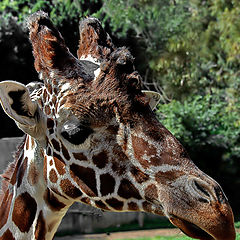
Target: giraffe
<point x="91" y="136"/>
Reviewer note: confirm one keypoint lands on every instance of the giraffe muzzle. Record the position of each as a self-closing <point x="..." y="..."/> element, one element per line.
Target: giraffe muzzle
<point x="208" y="216"/>
<point x="194" y="231"/>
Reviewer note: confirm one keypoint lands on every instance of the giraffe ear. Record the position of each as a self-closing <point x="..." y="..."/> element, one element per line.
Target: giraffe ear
<point x="94" y="41"/>
<point x="154" y="98"/>
<point x="17" y="104"/>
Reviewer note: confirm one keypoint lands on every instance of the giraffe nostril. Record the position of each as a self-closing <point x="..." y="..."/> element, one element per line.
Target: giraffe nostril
<point x="209" y="191"/>
<point x="202" y="190"/>
<point x="220" y="194"/>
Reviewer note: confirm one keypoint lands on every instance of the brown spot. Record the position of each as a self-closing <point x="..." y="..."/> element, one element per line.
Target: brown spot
<point x="169" y="176"/>
<point x="50" y="125"/>
<point x="48" y="99"/>
<point x="47" y="110"/>
<point x="55" y="90"/>
<point x="151" y="192"/>
<point x="139" y="176"/>
<point x="27" y="143"/>
<point x="40" y="230"/>
<point x="115" y="203"/>
<point x="118" y="168"/>
<point x="49" y="88"/>
<point x="53" y="176"/>
<point x="128" y="190"/>
<point x="33" y="174"/>
<point x="5" y="208"/>
<point x="107" y="184"/>
<point x="58" y="157"/>
<point x="49" y="151"/>
<point x="141" y="148"/>
<point x="85" y="178"/>
<point x="54" y="100"/>
<point x="7" y="235"/>
<point x="44" y="95"/>
<point x="86" y="200"/>
<point x="132" y="206"/>
<point x="155" y="161"/>
<point x="147" y="207"/>
<point x="52" y="201"/>
<point x="69" y="189"/>
<point x="59" y="166"/>
<point x="113" y="129"/>
<point x="56" y="106"/>
<point x="55" y="144"/>
<point x="25" y="206"/>
<point x="117" y="151"/>
<point x="100" y="160"/>
<point x="32" y="143"/>
<point x="80" y="156"/>
<point x="21" y="172"/>
<point x="101" y="205"/>
<point x="65" y="152"/>
<point x="51" y="162"/>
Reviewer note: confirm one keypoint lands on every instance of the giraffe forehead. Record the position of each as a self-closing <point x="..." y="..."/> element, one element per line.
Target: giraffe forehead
<point x="67" y="97"/>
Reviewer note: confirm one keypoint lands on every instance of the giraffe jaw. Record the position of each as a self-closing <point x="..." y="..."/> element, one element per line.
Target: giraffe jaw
<point x="194" y="231"/>
<point x="190" y="229"/>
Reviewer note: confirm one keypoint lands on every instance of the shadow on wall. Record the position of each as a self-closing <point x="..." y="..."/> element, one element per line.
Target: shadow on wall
<point x="80" y="218"/>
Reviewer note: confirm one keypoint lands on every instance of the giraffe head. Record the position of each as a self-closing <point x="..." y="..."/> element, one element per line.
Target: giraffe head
<point x="100" y="141"/>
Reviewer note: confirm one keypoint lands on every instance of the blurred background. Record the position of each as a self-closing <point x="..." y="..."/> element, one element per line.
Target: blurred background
<point x="187" y="50"/>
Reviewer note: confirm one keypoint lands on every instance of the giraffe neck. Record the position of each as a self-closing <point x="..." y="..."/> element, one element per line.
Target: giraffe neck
<point x="28" y="208"/>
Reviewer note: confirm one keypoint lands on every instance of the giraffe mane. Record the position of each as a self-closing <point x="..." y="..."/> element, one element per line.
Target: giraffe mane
<point x="7" y="177"/>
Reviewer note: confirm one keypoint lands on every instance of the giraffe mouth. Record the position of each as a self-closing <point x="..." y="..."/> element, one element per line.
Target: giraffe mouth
<point x="190" y="229"/>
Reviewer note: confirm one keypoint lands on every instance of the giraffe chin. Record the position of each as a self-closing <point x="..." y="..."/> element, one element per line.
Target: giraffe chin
<point x="190" y="229"/>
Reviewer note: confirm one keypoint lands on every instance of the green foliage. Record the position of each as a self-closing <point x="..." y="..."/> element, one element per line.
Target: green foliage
<point x="59" y="10"/>
<point x="151" y="24"/>
<point x="237" y="225"/>
<point x="65" y="14"/>
<point x="211" y="41"/>
<point x="203" y="121"/>
<point x="188" y="47"/>
<point x="151" y="21"/>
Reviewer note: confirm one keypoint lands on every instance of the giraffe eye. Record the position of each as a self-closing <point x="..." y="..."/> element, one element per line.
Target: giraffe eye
<point x="76" y="134"/>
